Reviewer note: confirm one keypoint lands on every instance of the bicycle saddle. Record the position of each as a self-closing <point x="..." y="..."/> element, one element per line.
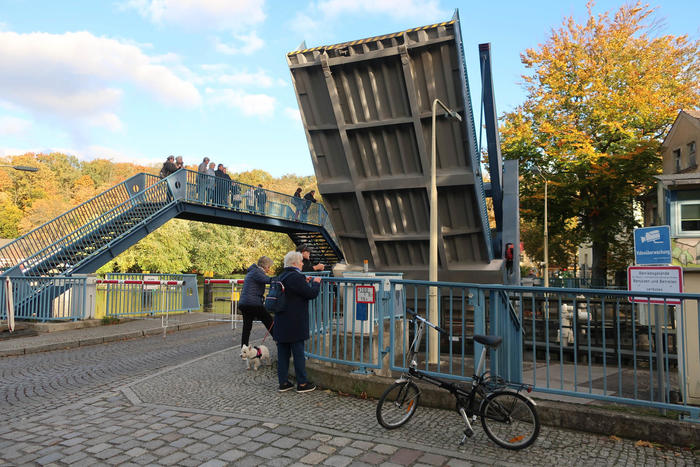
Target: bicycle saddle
<point x="489" y="341"/>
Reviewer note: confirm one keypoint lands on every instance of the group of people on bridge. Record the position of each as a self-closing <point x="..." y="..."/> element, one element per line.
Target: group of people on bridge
<point x="215" y="186"/>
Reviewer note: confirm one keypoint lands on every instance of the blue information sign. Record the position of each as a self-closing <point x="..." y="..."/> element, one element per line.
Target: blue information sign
<point x="361" y="312"/>
<point x="652" y="245"/>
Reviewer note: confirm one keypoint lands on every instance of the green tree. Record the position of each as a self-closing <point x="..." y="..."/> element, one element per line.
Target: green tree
<point x="165" y="251"/>
<point x="600" y="97"/>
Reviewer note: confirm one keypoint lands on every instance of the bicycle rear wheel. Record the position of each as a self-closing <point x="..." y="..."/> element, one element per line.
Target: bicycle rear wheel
<point x="510" y="419"/>
<point x="398" y="404"/>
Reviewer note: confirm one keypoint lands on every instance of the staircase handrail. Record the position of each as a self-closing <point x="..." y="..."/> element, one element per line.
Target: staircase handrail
<point x="87" y="228"/>
<point x="41" y="237"/>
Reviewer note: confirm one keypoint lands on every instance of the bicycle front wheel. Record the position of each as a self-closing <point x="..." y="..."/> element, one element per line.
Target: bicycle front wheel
<point x="510" y="419"/>
<point x="398" y="404"/>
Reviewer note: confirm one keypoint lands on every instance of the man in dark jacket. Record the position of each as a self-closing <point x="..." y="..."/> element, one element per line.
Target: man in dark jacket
<point x="260" y="199"/>
<point x="169" y="167"/>
<point x="306" y="258"/>
<point x="223" y="184"/>
<point x="251" y="302"/>
<point x="308" y="200"/>
<point x="292" y="323"/>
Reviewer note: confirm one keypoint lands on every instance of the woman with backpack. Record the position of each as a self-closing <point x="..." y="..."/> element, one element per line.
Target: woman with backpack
<point x="251" y="302"/>
<point x="292" y="322"/>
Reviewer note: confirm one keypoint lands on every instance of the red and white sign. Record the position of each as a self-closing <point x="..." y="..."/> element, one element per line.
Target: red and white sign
<point x="364" y="294"/>
<point x="657" y="279"/>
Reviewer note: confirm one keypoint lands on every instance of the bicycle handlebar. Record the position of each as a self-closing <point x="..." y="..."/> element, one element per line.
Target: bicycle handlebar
<point x="420" y="318"/>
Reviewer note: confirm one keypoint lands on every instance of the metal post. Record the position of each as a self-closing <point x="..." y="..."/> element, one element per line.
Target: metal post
<point x="546" y="239"/>
<point x="659" y="342"/>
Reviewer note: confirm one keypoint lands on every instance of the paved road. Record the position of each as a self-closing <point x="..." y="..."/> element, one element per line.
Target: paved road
<point x="188" y="400"/>
<point x="48" y="380"/>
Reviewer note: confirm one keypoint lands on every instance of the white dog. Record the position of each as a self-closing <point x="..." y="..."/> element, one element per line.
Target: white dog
<point x="255" y="355"/>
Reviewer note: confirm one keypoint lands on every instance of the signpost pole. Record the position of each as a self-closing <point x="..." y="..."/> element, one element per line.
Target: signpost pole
<point x="659" y="357"/>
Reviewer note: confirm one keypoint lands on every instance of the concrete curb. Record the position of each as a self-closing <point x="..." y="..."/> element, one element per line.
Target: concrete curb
<point x="579" y="417"/>
<point x="71" y="344"/>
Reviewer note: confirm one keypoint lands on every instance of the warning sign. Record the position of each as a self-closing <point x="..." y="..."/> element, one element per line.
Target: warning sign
<point x="661" y="279"/>
<point x="364" y="294"/>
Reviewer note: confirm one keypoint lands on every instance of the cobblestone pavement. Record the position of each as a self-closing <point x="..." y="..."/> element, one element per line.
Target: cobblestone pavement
<point x="42" y="381"/>
<point x="206" y="409"/>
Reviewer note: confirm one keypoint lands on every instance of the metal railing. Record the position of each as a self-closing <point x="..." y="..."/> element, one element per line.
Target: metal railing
<point x="50" y="298"/>
<point x="40" y="242"/>
<point x="231" y="194"/>
<point x="140" y="295"/>
<point x="606" y="345"/>
<point x="343" y="330"/>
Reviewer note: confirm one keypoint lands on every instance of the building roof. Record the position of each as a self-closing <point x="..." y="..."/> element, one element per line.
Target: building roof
<point x="691" y="115"/>
<point x="691" y="178"/>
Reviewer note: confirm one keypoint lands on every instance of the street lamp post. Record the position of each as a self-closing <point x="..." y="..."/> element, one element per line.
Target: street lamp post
<point x="23" y="168"/>
<point x="546" y="231"/>
<point x="433" y="251"/>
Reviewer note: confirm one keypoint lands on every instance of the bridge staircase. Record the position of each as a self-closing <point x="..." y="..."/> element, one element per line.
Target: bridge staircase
<point x="93" y="233"/>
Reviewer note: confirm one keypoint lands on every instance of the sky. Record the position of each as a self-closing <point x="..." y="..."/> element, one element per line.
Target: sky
<point x="137" y="80"/>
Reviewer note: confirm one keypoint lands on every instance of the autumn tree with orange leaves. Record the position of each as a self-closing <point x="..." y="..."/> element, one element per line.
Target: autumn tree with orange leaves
<point x="600" y="97"/>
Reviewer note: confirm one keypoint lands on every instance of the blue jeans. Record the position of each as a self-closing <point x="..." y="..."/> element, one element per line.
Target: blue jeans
<point x="295" y="349"/>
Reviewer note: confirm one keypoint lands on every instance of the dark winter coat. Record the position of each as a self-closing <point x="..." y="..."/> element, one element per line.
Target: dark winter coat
<point x="292" y="323"/>
<point x="168" y="168"/>
<point x="253" y="293"/>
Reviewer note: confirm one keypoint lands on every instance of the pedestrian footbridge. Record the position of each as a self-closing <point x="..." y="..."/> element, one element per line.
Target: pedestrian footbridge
<point x="97" y="231"/>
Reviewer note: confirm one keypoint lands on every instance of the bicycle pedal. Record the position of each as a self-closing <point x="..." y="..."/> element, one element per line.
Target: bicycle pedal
<point x="468" y="433"/>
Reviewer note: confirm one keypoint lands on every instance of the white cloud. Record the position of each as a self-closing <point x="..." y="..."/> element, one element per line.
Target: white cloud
<point x="80" y="77"/>
<point x="218" y="15"/>
<point x="261" y="105"/>
<point x="293" y="113"/>
<point x="250" y="43"/>
<point x="13" y="126"/>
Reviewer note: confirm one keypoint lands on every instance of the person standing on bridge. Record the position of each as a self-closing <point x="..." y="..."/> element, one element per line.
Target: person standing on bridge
<point x="179" y="163"/>
<point x="251" y="302"/>
<point x="210" y="182"/>
<point x="297" y="203"/>
<point x="308" y="199"/>
<point x="260" y="199"/>
<point x="168" y="167"/>
<point x="292" y="323"/>
<point x="223" y="184"/>
<point x="306" y="259"/>
<point x="202" y="180"/>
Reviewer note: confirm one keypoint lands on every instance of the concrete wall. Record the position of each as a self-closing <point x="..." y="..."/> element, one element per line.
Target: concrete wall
<point x="685" y="130"/>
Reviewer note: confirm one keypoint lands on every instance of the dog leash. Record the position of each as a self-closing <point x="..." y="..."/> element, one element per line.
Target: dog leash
<point x="267" y="332"/>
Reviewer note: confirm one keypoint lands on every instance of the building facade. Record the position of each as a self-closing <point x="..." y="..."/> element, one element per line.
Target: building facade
<point x="678" y="205"/>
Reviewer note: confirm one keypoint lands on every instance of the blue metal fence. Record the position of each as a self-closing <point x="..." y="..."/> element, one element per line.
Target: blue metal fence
<point x="606" y="345"/>
<point x="132" y="295"/>
<point x="343" y="330"/>
<point x="44" y="298"/>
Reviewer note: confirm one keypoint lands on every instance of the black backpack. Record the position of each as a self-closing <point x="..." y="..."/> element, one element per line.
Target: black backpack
<point x="276" y="299"/>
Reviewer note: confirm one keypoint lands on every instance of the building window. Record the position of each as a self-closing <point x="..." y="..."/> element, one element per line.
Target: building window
<point x="690" y="217"/>
<point x="677" y="159"/>
<point x="691" y="154"/>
